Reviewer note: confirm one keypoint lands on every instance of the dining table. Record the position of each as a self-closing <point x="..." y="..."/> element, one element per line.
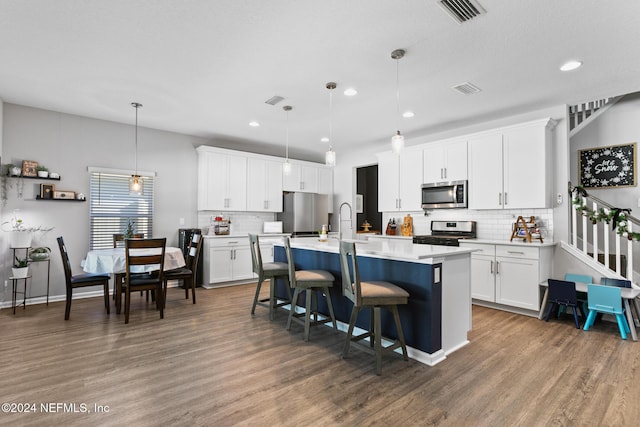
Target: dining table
<point x="628" y="295"/>
<point x="114" y="261"/>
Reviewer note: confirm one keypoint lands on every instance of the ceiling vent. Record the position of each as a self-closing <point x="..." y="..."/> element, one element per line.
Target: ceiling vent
<point x="273" y="100"/>
<point x="466" y="88"/>
<point x="462" y="10"/>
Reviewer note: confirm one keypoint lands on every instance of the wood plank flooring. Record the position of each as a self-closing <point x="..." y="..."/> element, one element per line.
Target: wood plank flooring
<point x="213" y="364"/>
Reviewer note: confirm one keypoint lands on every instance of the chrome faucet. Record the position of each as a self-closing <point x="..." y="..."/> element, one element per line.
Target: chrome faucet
<point x="340" y="218"/>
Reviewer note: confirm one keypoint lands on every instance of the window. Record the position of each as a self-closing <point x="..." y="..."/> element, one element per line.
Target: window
<point x="111" y="207"/>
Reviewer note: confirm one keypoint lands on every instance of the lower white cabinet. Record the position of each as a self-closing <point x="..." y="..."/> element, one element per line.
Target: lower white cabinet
<point x="509" y="274"/>
<point x="227" y="259"/>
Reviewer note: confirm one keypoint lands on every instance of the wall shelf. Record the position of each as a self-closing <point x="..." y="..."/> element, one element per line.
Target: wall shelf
<point x="59" y="200"/>
<point x="34" y="177"/>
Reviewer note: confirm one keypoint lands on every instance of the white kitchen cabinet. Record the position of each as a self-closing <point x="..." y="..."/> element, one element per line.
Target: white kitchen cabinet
<point x="226" y="259"/>
<point x="509" y="168"/>
<point x="399" y="181"/>
<point x="446" y="161"/>
<point x="303" y="178"/>
<point x="509" y="275"/>
<point x="222" y="181"/>
<point x="264" y="185"/>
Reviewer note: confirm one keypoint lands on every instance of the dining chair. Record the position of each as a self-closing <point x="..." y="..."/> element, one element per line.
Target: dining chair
<point x="582" y="296"/>
<point x="187" y="273"/>
<point x="312" y="283"/>
<point x="267" y="271"/>
<point x="563" y="293"/>
<point x="607" y="300"/>
<point x="118" y="242"/>
<point x="148" y="255"/>
<point x="80" y="280"/>
<point x="373" y="295"/>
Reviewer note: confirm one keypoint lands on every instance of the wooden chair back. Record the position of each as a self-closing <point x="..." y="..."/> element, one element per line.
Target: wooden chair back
<point x="65" y="261"/>
<point x="118" y="239"/>
<point x="140" y="252"/>
<point x="350" y="272"/>
<point x="256" y="256"/>
<point x="193" y="252"/>
<point x="292" y="267"/>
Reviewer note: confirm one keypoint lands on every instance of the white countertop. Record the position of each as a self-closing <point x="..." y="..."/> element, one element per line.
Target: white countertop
<point x="393" y="249"/>
<point x="243" y="235"/>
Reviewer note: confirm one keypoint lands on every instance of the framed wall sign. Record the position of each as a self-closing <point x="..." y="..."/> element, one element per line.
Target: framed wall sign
<point x="29" y="168"/>
<point x="612" y="166"/>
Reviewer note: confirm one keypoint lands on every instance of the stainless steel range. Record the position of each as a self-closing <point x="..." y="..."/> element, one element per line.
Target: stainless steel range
<point x="447" y="233"/>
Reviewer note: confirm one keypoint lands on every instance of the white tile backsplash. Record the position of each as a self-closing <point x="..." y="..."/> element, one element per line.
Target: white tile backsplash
<point x="241" y="222"/>
<point x="491" y="224"/>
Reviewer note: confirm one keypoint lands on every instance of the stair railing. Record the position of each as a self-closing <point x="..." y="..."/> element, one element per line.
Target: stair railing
<point x="614" y="224"/>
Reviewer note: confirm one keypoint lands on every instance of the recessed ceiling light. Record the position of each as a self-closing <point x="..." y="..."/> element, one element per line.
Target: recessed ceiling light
<point x="254" y="124"/>
<point x="350" y="91"/>
<point x="570" y="65"/>
<point x="408" y="114"/>
<point x="324" y="139"/>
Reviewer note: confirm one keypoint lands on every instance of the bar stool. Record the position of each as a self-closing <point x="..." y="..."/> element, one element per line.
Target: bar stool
<point x="311" y="282"/>
<point x="375" y="295"/>
<point x="264" y="271"/>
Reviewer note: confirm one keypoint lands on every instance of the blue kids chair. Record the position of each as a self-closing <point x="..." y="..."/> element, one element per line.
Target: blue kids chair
<point x="606" y="299"/>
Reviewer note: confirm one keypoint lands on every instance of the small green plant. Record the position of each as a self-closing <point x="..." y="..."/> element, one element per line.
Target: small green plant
<point x="42" y="168"/>
<point x="20" y="262"/>
<point x="130" y="230"/>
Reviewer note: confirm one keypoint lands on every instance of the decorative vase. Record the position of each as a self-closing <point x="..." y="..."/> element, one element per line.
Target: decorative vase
<point x="20" y="239"/>
<point x="43" y="174"/>
<point x="15" y="171"/>
<point x="20" y="273"/>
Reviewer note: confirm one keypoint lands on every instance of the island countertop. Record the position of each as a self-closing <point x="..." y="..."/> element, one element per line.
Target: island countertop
<point x="401" y="250"/>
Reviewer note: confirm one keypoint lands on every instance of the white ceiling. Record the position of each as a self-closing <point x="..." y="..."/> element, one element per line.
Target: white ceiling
<point x="205" y="68"/>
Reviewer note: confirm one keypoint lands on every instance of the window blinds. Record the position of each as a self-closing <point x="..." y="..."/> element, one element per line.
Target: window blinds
<point x="111" y="207"/>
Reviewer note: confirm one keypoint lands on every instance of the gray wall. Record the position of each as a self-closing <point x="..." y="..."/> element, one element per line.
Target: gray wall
<point x="68" y="144"/>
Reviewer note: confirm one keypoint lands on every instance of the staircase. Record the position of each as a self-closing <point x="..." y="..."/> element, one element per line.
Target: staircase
<point x="578" y="114"/>
<point x="596" y="241"/>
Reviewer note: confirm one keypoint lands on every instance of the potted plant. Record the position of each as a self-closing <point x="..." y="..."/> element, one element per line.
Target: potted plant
<point x="41" y="253"/>
<point x="130" y="230"/>
<point x="43" y="172"/>
<point x="20" y="268"/>
<point x="13" y="170"/>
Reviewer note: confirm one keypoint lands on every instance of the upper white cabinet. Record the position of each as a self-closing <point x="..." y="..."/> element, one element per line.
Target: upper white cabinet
<point x="399" y="181"/>
<point x="509" y="168"/>
<point x="264" y="185"/>
<point x="446" y="161"/>
<point x="230" y="180"/>
<point x="303" y="178"/>
<point x="222" y="181"/>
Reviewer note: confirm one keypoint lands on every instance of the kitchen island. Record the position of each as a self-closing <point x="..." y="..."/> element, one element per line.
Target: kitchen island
<point x="437" y="318"/>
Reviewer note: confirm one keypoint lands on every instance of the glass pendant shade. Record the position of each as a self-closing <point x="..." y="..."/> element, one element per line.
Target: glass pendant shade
<point x="330" y="158"/>
<point x="286" y="167"/>
<point x="136" y="187"/>
<point x="397" y="143"/>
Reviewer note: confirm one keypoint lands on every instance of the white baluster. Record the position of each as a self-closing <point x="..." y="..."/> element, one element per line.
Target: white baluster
<point x="629" y="253"/>
<point x="595" y="235"/>
<point x="606" y="236"/>
<point x="574" y="226"/>
<point x="584" y="228"/>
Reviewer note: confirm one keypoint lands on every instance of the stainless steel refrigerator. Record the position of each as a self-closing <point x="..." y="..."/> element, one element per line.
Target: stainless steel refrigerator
<point x="304" y="213"/>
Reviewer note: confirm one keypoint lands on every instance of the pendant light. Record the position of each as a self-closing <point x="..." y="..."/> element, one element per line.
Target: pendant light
<point x="136" y="185"/>
<point x="330" y="156"/>
<point x="397" y="141"/>
<point x="286" y="166"/>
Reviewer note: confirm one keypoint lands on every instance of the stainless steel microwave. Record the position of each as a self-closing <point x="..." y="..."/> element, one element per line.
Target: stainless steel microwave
<point x="444" y="195"/>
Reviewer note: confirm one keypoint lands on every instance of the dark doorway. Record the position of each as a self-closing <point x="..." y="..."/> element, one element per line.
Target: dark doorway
<point x="367" y="186"/>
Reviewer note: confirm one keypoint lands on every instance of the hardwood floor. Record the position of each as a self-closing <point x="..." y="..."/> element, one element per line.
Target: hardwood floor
<point x="214" y="364"/>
